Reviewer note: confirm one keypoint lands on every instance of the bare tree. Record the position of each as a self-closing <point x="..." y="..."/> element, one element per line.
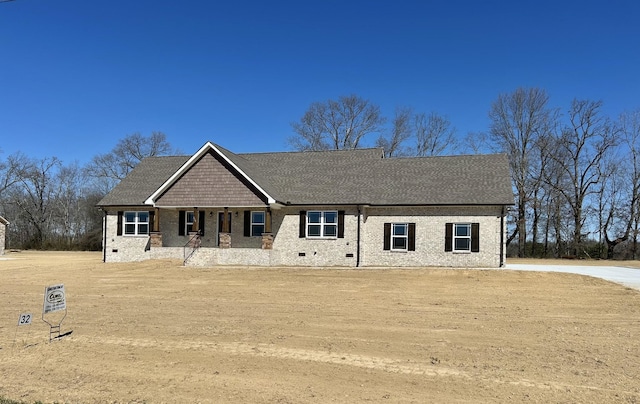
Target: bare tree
<point x="66" y="205"/>
<point x="434" y="134"/>
<point x="519" y="120"/>
<point x="476" y="143"/>
<point x="9" y="177"/>
<point x="623" y="185"/>
<point x="401" y="131"/>
<point x="10" y="169"/>
<point x="110" y="168"/>
<point x="340" y="124"/>
<point x="33" y="197"/>
<point x="540" y="195"/>
<point x="580" y="152"/>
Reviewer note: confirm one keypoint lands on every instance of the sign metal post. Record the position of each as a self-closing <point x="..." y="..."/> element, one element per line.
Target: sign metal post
<point x="55" y="299"/>
<point x="24" y="319"/>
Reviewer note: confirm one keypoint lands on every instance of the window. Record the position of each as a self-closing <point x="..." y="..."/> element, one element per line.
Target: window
<point x="136" y="223"/>
<point x="257" y="223"/>
<point x="400" y="236"/>
<point x="462" y="237"/>
<point x="189" y="219"/>
<point x="322" y="224"/>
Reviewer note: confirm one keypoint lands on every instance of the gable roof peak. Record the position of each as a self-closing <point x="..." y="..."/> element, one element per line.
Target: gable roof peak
<point x="229" y="157"/>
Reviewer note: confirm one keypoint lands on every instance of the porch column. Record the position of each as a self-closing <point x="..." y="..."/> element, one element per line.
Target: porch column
<point x="154" y="234"/>
<point x="225" y="221"/>
<point x="225" y="234"/>
<point x="156" y="221"/>
<point x="267" y="237"/>
<point x="267" y="221"/>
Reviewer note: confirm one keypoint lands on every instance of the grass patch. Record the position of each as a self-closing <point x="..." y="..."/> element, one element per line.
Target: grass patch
<point x="9" y="401"/>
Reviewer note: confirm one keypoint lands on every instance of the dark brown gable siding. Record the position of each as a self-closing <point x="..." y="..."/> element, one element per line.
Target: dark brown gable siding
<point x="210" y="182"/>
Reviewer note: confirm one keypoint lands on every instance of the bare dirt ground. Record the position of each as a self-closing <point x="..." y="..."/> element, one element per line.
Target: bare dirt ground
<point x="156" y="332"/>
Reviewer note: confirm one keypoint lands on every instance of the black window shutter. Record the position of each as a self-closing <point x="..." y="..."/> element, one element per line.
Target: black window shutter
<point x="120" y="213"/>
<point x="387" y="236"/>
<point x="181" y="222"/>
<point x="201" y="217"/>
<point x="303" y="224"/>
<point x="341" y="224"/>
<point x="152" y="220"/>
<point x="448" y="237"/>
<point x="475" y="237"/>
<point x="247" y="223"/>
<point x="412" y="237"/>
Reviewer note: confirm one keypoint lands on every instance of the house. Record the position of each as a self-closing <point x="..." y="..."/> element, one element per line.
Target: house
<point x="349" y="208"/>
<point x="3" y="233"/>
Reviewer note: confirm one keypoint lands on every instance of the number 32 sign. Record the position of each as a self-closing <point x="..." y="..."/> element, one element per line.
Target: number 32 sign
<point x="25" y="319"/>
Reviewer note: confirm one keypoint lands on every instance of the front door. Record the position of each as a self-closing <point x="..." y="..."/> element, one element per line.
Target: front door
<point x="220" y="217"/>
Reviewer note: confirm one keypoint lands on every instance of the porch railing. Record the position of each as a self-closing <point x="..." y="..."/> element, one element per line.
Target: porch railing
<point x="190" y="248"/>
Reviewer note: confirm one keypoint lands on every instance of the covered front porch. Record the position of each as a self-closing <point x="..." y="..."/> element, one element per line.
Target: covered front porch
<point x="203" y="233"/>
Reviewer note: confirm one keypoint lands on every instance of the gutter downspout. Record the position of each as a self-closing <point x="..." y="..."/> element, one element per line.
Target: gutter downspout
<point x="358" y="241"/>
<point x="104" y="238"/>
<point x="502" y="238"/>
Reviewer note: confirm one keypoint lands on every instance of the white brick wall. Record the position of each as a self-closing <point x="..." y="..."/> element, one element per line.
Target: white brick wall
<point x="291" y="250"/>
<point x="430" y="231"/>
<point x="3" y="232"/>
<point x="317" y="252"/>
<point x="230" y="256"/>
<point x="123" y="248"/>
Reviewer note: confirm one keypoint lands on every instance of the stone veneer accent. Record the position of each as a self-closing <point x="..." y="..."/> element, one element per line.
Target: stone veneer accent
<point x="225" y="240"/>
<point x="267" y="241"/>
<point x="194" y="240"/>
<point x="156" y="240"/>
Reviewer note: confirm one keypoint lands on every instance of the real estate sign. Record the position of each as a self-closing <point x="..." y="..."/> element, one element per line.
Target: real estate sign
<point x="54" y="299"/>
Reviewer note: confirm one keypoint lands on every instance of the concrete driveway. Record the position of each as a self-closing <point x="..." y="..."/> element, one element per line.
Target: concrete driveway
<point x="625" y="276"/>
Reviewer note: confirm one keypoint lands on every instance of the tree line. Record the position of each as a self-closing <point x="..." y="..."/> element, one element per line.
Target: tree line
<point x="575" y="175"/>
<point x="575" y="171"/>
<point x="51" y="205"/>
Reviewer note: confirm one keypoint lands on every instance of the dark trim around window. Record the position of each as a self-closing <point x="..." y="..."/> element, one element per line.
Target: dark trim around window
<point x="341" y="224"/>
<point x="411" y="237"/>
<point x="475" y="237"/>
<point x="247" y="223"/>
<point x="181" y="222"/>
<point x="120" y="214"/>
<point x="302" y="233"/>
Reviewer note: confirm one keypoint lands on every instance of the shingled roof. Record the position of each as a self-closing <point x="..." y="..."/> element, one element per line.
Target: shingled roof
<point x="143" y="180"/>
<point x="347" y="177"/>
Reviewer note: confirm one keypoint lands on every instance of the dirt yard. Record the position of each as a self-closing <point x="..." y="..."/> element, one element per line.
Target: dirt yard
<point x="156" y="332"/>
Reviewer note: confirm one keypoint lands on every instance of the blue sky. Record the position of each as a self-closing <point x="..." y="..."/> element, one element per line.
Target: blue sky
<point x="76" y="75"/>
